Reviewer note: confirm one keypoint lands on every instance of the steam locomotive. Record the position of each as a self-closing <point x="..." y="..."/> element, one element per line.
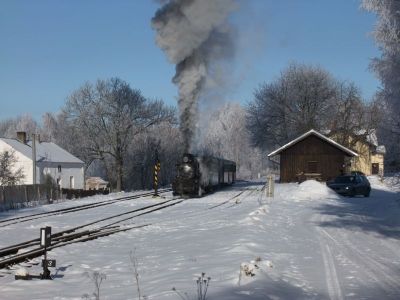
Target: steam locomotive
<point x="197" y="175"/>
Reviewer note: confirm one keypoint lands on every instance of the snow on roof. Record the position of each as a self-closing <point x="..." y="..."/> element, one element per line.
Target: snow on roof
<point x="50" y="152"/>
<point x="18" y="146"/>
<point x="45" y="151"/>
<point x="316" y="133"/>
<point x="381" y="149"/>
<point x="96" y="180"/>
<point x="370" y="136"/>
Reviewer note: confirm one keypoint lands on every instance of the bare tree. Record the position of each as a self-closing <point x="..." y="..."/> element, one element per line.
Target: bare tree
<point x="97" y="279"/>
<point x="166" y="139"/>
<point x="300" y="99"/>
<point x="9" y="174"/>
<point x="105" y="118"/>
<point x="352" y="119"/>
<point x="307" y="97"/>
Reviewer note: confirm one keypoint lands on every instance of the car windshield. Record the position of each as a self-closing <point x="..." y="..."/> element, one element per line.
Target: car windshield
<point x="345" y="179"/>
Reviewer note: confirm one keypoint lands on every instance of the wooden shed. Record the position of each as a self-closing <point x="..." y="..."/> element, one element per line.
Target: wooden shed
<point x="313" y="156"/>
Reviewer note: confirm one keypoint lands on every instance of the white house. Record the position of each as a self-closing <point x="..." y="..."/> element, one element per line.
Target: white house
<point x="66" y="169"/>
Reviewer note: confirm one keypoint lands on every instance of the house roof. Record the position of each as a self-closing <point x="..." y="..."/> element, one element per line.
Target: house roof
<point x="381" y="149"/>
<point x="18" y="146"/>
<point x="370" y="136"/>
<point x="316" y="133"/>
<point x="45" y="151"/>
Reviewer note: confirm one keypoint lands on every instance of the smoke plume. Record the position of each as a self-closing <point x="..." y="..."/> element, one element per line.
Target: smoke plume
<point x="195" y="34"/>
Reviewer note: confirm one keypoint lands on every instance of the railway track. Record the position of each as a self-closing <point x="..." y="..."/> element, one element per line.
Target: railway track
<point x="22" y="219"/>
<point x="230" y="199"/>
<point x="31" y="249"/>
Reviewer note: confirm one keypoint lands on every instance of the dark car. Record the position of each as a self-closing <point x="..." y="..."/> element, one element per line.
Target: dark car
<point x="351" y="185"/>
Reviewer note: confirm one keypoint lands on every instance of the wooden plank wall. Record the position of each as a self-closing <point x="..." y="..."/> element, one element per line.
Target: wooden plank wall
<point x="20" y="196"/>
<point x="295" y="159"/>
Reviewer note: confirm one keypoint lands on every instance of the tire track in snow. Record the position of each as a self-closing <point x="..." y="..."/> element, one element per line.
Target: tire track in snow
<point x="391" y="247"/>
<point x="370" y="267"/>
<point x="366" y="271"/>
<point x="384" y="242"/>
<point x="331" y="277"/>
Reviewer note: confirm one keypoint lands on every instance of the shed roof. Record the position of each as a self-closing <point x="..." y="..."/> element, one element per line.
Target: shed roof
<point x="317" y="134"/>
<point x="45" y="151"/>
<point x="96" y="180"/>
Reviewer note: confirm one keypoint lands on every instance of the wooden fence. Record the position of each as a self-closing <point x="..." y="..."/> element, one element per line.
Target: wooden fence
<point x="20" y="196"/>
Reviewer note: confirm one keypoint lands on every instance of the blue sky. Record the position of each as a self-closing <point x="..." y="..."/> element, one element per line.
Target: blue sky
<point x="49" y="48"/>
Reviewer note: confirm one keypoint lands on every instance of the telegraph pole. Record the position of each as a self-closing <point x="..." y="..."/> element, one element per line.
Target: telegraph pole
<point x="34" y="157"/>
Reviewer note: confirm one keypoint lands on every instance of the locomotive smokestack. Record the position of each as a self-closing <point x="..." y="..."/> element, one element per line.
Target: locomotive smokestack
<point x="194" y="34"/>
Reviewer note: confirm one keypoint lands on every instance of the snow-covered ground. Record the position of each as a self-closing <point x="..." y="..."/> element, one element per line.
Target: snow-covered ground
<point x="305" y="243"/>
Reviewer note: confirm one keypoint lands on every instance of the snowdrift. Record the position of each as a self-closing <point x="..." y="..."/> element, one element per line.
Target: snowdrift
<point x="310" y="190"/>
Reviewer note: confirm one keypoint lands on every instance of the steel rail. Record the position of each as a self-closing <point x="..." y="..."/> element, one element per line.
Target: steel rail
<point x="62" y="211"/>
<point x="37" y="252"/>
<point x="14" y="248"/>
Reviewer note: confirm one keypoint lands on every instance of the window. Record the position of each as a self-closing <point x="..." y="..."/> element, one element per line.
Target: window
<point x="59" y="168"/>
<point x="375" y="168"/>
<point x="312" y="167"/>
<point x="71" y="182"/>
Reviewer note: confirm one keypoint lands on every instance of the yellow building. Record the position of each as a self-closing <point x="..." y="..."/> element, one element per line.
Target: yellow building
<point x="370" y="160"/>
<point x="371" y="155"/>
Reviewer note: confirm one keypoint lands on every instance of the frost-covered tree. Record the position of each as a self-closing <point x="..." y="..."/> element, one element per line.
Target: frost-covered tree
<point x="106" y="117"/>
<point x="387" y="67"/>
<point x="226" y="136"/>
<point x="4" y="126"/>
<point x="48" y="129"/>
<point x="9" y="175"/>
<point x="9" y="127"/>
<point x="307" y="97"/>
<point x="387" y="36"/>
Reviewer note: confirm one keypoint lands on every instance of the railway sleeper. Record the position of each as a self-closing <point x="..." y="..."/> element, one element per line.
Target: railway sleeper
<point x="34" y="253"/>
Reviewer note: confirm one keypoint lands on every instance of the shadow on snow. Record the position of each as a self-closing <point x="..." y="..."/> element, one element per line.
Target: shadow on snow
<point x="378" y="214"/>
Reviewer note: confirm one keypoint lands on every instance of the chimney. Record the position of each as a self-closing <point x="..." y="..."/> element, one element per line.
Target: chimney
<point x="21" y="136"/>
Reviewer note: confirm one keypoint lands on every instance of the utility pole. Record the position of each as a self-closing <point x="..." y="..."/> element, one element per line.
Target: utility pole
<point x="34" y="157"/>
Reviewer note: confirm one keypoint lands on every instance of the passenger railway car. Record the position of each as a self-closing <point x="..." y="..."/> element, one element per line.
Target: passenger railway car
<point x="197" y="175"/>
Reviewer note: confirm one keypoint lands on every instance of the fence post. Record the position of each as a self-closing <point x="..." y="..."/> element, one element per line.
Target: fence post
<point x="2" y="200"/>
<point x="270" y="186"/>
<point x="26" y="193"/>
<point x="38" y="192"/>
